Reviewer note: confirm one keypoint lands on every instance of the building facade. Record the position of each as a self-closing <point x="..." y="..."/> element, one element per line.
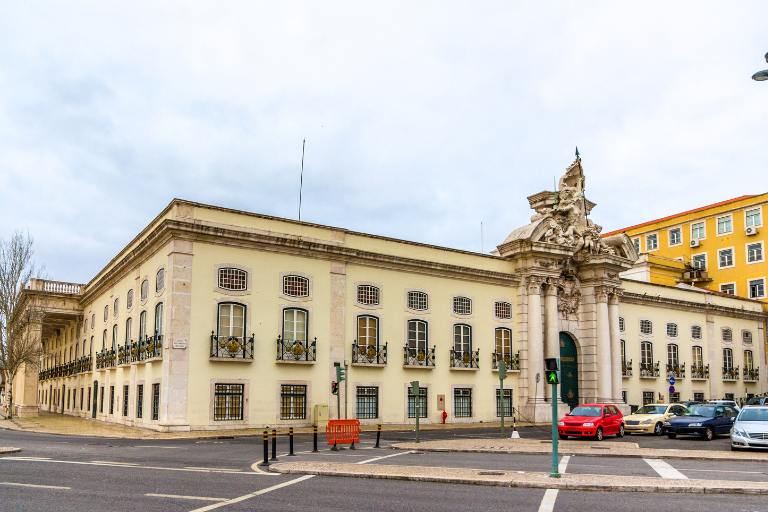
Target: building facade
<point x="214" y="318"/>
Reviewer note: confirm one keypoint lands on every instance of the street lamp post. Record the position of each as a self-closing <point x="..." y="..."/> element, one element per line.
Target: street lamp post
<point x="761" y="76"/>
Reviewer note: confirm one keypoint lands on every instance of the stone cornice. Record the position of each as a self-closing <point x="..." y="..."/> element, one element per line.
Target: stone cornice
<point x="643" y="299"/>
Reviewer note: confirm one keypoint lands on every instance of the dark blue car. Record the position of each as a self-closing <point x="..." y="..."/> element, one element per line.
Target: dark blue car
<point x="707" y="420"/>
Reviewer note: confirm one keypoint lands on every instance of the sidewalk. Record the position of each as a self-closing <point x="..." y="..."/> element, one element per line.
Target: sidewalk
<point x="533" y="480"/>
<point x="602" y="449"/>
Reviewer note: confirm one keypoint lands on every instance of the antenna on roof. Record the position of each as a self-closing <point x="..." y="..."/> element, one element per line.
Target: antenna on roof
<point x="577" y="151"/>
<point x="301" y="179"/>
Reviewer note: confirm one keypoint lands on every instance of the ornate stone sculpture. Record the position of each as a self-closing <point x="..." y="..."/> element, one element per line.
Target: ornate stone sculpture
<point x="569" y="295"/>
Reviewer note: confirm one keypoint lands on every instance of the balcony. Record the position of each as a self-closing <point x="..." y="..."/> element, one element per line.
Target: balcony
<point x="730" y="374"/>
<point x="511" y="361"/>
<point x="231" y="348"/>
<point x="699" y="372"/>
<point x="369" y="355"/>
<point x="649" y="370"/>
<point x="418" y="358"/>
<point x="105" y="359"/>
<point x="123" y="354"/>
<point x="626" y="369"/>
<point x="296" y="351"/>
<point x="465" y="360"/>
<point x="751" y="374"/>
<point x="677" y="370"/>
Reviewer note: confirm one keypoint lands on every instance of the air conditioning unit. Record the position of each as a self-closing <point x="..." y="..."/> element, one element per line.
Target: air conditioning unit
<point x="695" y="243"/>
<point x="751" y="230"/>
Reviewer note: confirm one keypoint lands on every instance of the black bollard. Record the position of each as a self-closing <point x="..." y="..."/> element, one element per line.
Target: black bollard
<point x="314" y="436"/>
<point x="290" y="442"/>
<point x="274" y="444"/>
<point x="378" y="435"/>
<point x="265" y="438"/>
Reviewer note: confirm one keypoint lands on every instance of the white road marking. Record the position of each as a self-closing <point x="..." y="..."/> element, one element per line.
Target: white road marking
<point x="253" y="494"/>
<point x="384" y="457"/>
<point x="111" y="462"/>
<point x="17" y="484"/>
<point x="550" y="495"/>
<point x="212" y="469"/>
<point x="724" y="471"/>
<point x="157" y="446"/>
<point x="127" y="466"/>
<point x="182" y="497"/>
<point x="665" y="470"/>
<point x="32" y="458"/>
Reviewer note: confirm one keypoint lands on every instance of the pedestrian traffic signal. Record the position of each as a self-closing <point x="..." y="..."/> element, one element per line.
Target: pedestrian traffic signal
<point x="551" y="376"/>
<point x="334" y="387"/>
<point x="415" y="388"/>
<point x="340" y="373"/>
<point x="551" y="363"/>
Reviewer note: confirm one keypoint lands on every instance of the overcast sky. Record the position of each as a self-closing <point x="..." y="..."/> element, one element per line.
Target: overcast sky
<point x="422" y="119"/>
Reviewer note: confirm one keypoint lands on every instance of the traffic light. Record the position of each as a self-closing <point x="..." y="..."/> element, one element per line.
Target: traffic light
<point x="415" y="388"/>
<point x="502" y="369"/>
<point x="340" y="373"/>
<point x="334" y="387"/>
<point x="551" y="368"/>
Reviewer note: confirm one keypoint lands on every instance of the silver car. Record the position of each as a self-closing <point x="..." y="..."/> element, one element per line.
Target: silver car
<point x="750" y="430"/>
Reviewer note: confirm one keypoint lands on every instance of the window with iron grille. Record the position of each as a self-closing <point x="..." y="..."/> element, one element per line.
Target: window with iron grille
<point x="462" y="402"/>
<point x="295" y="286"/>
<point x="228" y="402"/>
<point x="233" y="279"/>
<point x="648" y="397"/>
<point x="129" y="300"/>
<point x="646" y="327"/>
<point x="698" y="397"/>
<point x="155" y="401"/>
<point x="422" y="403"/>
<point x="674" y="397"/>
<point x="696" y="332"/>
<point x="672" y="330"/>
<point x="418" y="301"/>
<point x="503" y="310"/>
<point x="160" y="280"/>
<point x="368" y="294"/>
<point x="111" y="399"/>
<point x="462" y="305"/>
<point x="622" y="325"/>
<point x="140" y="400"/>
<point x="746" y="336"/>
<point x="727" y="334"/>
<point x="144" y="289"/>
<point x="125" y="400"/>
<point x="293" y="402"/>
<point x="367" y="402"/>
<point x="504" y="404"/>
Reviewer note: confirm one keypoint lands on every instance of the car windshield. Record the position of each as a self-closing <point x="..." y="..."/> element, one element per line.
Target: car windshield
<point x="586" y="411"/>
<point x="702" y="410"/>
<point x="755" y="400"/>
<point x="652" y="409"/>
<point x="753" y="415"/>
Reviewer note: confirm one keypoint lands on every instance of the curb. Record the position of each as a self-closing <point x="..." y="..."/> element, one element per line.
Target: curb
<point x="3" y="451"/>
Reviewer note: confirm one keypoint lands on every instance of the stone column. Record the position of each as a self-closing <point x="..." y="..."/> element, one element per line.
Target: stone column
<point x="535" y="341"/>
<point x="604" y="391"/>
<point x="613" y="314"/>
<point x="552" y="337"/>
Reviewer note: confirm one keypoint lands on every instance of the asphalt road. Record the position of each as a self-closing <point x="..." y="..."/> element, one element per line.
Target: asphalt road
<point x="78" y="473"/>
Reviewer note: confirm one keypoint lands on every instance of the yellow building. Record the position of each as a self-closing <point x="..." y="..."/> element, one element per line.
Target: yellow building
<point x="720" y="247"/>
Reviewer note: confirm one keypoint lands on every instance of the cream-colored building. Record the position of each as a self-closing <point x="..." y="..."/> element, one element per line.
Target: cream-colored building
<point x="214" y="318"/>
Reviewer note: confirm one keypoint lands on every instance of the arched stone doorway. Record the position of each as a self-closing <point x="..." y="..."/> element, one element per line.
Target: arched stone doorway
<point x="569" y="370"/>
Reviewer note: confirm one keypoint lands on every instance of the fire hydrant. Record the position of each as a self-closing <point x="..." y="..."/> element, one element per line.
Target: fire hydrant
<point x="444" y="416"/>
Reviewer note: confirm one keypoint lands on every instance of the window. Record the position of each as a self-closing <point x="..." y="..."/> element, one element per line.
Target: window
<point x="228" y="402"/>
<point x="462" y="402"/>
<point x="231" y="320"/>
<point x="93" y="320"/>
<point x="295" y="286"/>
<point x="295" y="324"/>
<point x="114" y="337"/>
<point x="503" y="342"/>
<point x="674" y="397"/>
<point x="155" y="401"/>
<point x="159" y="319"/>
<point x="729" y="288"/>
<point x="128" y="326"/>
<point x="672" y="330"/>
<point x="111" y="399"/>
<point x="646" y="327"/>
<point x="462" y="305"/>
<point x="89" y="398"/>
<point x="672" y="355"/>
<point x="696" y="332"/>
<point x="367" y="332"/>
<point x="142" y="325"/>
<point x="698" y="356"/>
<point x="755" y="252"/>
<point x="675" y="236"/>
<point x="699" y="261"/>
<point x="636" y="243"/>
<point x="624" y="397"/>
<point x="749" y="362"/>
<point x="622" y="325"/>
<point x="698" y="397"/>
<point x="106" y="313"/>
<point x="160" y="280"/>
<point x="727" y="334"/>
<point x="752" y="218"/>
<point x="115" y="307"/>
<point x="746" y="336"/>
<point x="418" y="301"/>
<point x="648" y="397"/>
<point x="757" y="288"/>
<point x="90" y="351"/>
<point x="422" y="403"/>
<point x="726" y="396"/>
<point x="725" y="258"/>
<point x="101" y="399"/>
<point x="129" y="300"/>
<point x="698" y="231"/>
<point x="727" y="359"/>
<point x="140" y="400"/>
<point x="367" y="402"/>
<point x="293" y="402"/>
<point x="503" y="310"/>
<point x="125" y="400"/>
<point x="144" y="290"/>
<point x="623" y="345"/>
<point x="417" y="337"/>
<point x="646" y="352"/>
<point x="368" y="295"/>
<point x="724" y="225"/>
<point x="233" y="279"/>
<point x="652" y="242"/>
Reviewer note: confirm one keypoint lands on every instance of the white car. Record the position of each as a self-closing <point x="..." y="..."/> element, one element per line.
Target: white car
<point x="750" y="430"/>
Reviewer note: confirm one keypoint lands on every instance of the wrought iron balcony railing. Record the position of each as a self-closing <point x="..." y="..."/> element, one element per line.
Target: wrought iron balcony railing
<point x="466" y="359"/>
<point x="123" y="354"/>
<point x="231" y="347"/>
<point x="730" y="374"/>
<point x="699" y="372"/>
<point x="649" y="370"/>
<point x="292" y="351"/>
<point x="751" y="374"/>
<point x="105" y="358"/>
<point x="369" y="354"/>
<point x="626" y="368"/>
<point x="677" y="370"/>
<point x="419" y="357"/>
<point x="511" y="361"/>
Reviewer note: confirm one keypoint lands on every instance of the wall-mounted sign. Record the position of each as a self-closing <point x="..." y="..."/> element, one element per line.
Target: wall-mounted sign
<point x="180" y="343"/>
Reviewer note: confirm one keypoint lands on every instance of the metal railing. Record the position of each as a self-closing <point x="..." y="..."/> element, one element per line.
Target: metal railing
<point x="511" y="361"/>
<point x="731" y="374"/>
<point x="465" y="358"/>
<point x="419" y="357"/>
<point x="751" y="374"/>
<point x="79" y="365"/>
<point x="296" y="350"/>
<point x="699" y="372"/>
<point x="231" y="347"/>
<point x="369" y="354"/>
<point x="626" y="368"/>
<point x="677" y="370"/>
<point x="649" y="370"/>
<point x="105" y="358"/>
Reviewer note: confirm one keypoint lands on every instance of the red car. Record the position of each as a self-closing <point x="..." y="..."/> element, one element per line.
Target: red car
<point x="592" y="420"/>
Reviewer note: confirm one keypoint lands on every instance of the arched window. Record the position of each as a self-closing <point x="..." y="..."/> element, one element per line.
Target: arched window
<point x="106" y="313"/>
<point x="502" y="310"/>
<point x="418" y="301"/>
<point x="696" y="332"/>
<point x="367" y="331"/>
<point x="114" y="337"/>
<point x="672" y="330"/>
<point x="231" y="320"/>
<point x="142" y="325"/>
<point x="160" y="280"/>
<point x="129" y="300"/>
<point x="462" y="338"/>
<point x="727" y="359"/>
<point x="144" y="290"/>
<point x="646" y="352"/>
<point x="128" y="326"/>
<point x="749" y="362"/>
<point x="104" y="340"/>
<point x="503" y="338"/>
<point x="114" y="307"/>
<point x="727" y="334"/>
<point x="295" y="286"/>
<point x="90" y="351"/>
<point x="233" y="279"/>
<point x="672" y="355"/>
<point x="417" y="337"/>
<point x="159" y="319"/>
<point x="93" y="320"/>
<point x="462" y="305"/>
<point x="646" y="327"/>
<point x="295" y="324"/>
<point x="698" y="356"/>
<point x="368" y="295"/>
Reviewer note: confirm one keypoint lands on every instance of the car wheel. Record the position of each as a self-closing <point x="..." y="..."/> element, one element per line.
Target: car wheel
<point x="671" y="436"/>
<point x="621" y="431"/>
<point x="599" y="434"/>
<point x="563" y="436"/>
<point x="709" y="434"/>
<point x="734" y="449"/>
<point x="657" y="430"/>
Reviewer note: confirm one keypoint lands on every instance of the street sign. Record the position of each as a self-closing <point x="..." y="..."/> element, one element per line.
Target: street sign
<point x="671" y="380"/>
<point x="671" y="389"/>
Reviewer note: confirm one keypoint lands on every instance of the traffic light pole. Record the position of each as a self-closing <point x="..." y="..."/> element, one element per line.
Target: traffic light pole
<point x="555" y="470"/>
<point x="346" y="388"/>
<point x="501" y="402"/>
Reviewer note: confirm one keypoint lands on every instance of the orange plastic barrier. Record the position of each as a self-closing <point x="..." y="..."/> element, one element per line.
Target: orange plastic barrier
<point x="342" y="432"/>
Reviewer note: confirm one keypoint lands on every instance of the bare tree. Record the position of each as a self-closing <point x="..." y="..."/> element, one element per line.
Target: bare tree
<point x="20" y="342"/>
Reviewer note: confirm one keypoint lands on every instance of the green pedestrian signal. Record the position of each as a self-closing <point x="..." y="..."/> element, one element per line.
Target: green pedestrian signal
<point x="340" y="373"/>
<point x="551" y="376"/>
